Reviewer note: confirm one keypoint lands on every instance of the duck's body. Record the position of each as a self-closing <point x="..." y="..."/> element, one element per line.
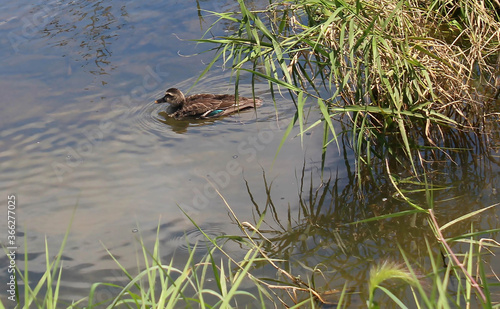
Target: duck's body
<point x="205" y="105"/>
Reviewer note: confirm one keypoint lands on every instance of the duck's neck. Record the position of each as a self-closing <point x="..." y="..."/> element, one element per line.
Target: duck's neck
<point x="174" y="108"/>
<point x="178" y="104"/>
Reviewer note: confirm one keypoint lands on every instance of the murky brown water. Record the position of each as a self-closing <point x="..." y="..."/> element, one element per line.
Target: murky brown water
<point x="80" y="133"/>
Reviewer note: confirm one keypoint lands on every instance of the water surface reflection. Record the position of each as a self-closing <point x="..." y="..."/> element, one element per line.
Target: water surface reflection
<point x="79" y="130"/>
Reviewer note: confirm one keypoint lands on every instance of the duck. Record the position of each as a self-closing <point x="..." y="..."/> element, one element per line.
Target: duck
<point x="205" y="105"/>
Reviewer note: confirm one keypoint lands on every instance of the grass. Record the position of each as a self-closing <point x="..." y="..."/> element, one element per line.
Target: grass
<point x="401" y="78"/>
<point x="327" y="218"/>
<point x="449" y="272"/>
<point x="395" y="72"/>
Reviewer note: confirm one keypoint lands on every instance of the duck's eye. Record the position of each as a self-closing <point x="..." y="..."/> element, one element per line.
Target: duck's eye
<point x="168" y="95"/>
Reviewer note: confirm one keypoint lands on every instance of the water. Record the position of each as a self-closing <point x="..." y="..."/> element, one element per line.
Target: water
<point x="80" y="133"/>
<point x="81" y="138"/>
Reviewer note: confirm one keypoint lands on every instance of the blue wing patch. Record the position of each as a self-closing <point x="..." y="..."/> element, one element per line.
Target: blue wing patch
<point x="214" y="113"/>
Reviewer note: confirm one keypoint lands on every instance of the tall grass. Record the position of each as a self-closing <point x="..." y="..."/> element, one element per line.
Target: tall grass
<point x="218" y="280"/>
<point x="44" y="293"/>
<point x="402" y="72"/>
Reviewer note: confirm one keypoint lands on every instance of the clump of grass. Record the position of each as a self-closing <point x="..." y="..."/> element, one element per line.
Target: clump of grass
<point x="46" y="292"/>
<point x="160" y="285"/>
<point x="164" y="286"/>
<point x="396" y="69"/>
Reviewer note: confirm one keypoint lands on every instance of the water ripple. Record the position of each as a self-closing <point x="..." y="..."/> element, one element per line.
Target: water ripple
<point x="194" y="237"/>
<point x="147" y="120"/>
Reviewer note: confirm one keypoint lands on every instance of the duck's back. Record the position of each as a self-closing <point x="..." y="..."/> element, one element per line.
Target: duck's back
<point x="207" y="105"/>
<point x="211" y="100"/>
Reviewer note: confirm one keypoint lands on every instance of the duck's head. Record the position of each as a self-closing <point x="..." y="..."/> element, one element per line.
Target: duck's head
<point x="173" y="96"/>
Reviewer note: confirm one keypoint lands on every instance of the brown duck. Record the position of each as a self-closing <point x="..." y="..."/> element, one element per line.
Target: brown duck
<point x="205" y="105"/>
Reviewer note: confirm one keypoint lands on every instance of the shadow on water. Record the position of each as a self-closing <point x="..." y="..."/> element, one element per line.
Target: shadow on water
<point x="181" y="126"/>
<point x="322" y="238"/>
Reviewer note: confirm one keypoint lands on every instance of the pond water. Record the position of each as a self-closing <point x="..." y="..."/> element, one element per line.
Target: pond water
<point x="82" y="138"/>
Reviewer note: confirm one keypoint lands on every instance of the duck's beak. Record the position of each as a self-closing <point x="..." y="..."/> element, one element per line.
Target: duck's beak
<point x="162" y="100"/>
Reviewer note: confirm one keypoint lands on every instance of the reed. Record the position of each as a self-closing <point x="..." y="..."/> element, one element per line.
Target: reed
<point x="400" y="72"/>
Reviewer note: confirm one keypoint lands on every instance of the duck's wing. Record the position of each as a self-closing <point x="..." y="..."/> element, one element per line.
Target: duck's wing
<point x="200" y="107"/>
<point x="200" y="104"/>
<point x="210" y="105"/>
<point x="244" y="103"/>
